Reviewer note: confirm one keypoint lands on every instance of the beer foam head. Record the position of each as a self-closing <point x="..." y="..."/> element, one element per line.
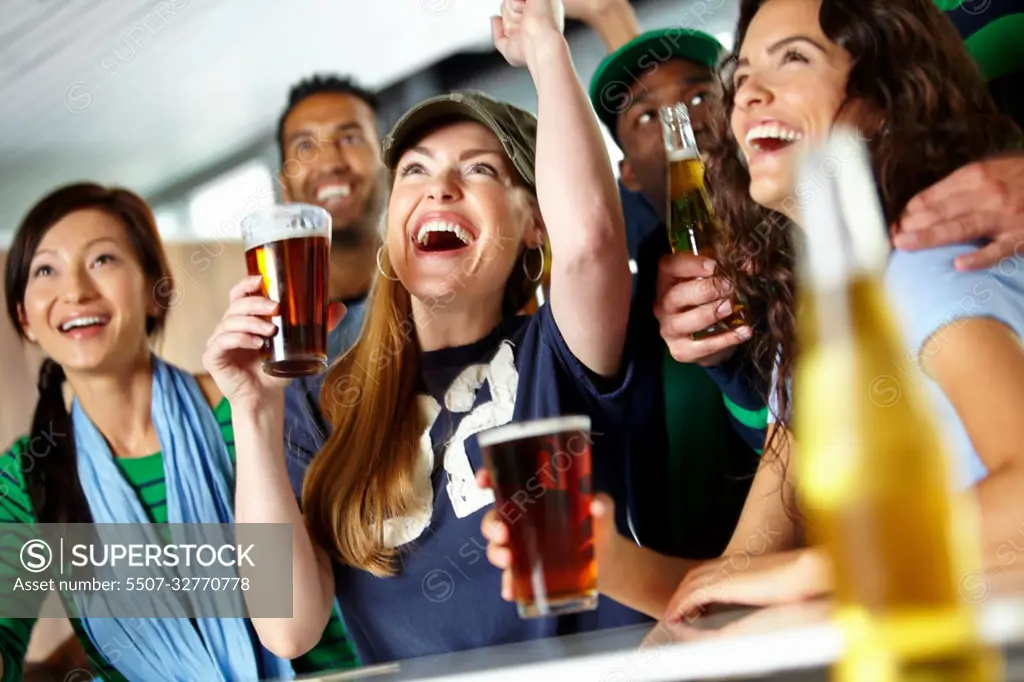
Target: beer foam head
<point x="281" y="222"/>
<point x="683" y="154"/>
<point x="532" y="429"/>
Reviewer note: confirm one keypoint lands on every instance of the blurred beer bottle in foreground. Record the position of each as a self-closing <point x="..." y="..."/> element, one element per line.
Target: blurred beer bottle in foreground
<point x="873" y="474"/>
<point x="689" y="219"/>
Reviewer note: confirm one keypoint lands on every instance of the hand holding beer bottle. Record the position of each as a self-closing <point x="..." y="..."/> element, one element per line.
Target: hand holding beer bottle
<point x="689" y="218"/>
<point x="689" y="300"/>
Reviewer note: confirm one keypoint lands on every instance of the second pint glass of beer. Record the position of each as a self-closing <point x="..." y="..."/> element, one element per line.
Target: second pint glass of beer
<point x="289" y="248"/>
<point x="541" y="473"/>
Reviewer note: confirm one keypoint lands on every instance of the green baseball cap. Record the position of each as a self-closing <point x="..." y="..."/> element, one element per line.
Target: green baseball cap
<point x="516" y="128"/>
<point x="996" y="46"/>
<point x="616" y="74"/>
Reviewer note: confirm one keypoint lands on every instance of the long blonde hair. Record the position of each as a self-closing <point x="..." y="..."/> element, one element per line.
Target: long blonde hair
<point x="365" y="473"/>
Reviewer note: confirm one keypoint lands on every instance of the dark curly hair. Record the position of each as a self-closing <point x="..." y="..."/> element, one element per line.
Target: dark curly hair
<point x="318" y="85"/>
<point x="909" y="65"/>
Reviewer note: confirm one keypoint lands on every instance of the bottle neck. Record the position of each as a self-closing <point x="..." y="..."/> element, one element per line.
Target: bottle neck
<point x="677" y="132"/>
<point x="845" y="246"/>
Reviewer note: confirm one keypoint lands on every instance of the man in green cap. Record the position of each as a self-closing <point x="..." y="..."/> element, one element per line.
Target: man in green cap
<point x="694" y="452"/>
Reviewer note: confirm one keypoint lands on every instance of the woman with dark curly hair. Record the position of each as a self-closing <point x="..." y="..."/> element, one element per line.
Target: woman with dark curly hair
<point x="898" y="72"/>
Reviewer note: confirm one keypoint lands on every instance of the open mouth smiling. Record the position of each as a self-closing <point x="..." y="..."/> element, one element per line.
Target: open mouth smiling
<point x="433" y="236"/>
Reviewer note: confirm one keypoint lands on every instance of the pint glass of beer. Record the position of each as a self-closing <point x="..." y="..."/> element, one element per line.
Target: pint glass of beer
<point x="542" y="487"/>
<point x="289" y="247"/>
<point x="689" y="218"/>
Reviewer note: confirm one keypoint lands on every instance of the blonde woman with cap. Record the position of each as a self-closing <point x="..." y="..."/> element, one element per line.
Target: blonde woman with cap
<point x="390" y="512"/>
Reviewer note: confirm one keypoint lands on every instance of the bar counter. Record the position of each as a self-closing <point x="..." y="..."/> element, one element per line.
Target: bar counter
<point x="791" y="642"/>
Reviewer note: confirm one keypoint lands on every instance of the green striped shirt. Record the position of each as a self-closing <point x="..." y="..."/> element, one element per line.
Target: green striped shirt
<point x="146" y="476"/>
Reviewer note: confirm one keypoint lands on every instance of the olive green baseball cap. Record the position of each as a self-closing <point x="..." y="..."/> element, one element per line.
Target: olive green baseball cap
<point x="616" y="74"/>
<point x="515" y="128"/>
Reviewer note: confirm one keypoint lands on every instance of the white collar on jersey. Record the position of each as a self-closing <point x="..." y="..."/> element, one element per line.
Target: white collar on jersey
<point x="465" y="496"/>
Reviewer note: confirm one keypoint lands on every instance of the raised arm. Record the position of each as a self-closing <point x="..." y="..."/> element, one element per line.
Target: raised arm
<point x="614" y="20"/>
<point x="579" y="200"/>
<point x="264" y="492"/>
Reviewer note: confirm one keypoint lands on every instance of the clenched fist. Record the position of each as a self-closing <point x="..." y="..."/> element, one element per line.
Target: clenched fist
<point x="523" y="23"/>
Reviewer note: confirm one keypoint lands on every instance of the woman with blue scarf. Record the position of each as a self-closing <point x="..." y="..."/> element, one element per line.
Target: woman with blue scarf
<point x="144" y="442"/>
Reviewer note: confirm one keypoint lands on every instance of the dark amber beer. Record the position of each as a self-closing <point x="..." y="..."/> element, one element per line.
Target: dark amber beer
<point x="541" y="472"/>
<point x="690" y="222"/>
<point x="289" y="248"/>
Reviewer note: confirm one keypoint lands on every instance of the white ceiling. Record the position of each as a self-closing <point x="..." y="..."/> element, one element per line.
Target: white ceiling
<point x="147" y="93"/>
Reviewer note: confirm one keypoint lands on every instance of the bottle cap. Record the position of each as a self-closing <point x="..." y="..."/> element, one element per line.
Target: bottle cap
<point x="677" y="132"/>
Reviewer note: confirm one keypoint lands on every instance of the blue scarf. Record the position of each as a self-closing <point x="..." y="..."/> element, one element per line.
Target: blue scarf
<point x="199" y="475"/>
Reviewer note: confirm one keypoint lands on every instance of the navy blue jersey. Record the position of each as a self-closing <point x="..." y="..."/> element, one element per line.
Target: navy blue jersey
<point x="640" y="221"/>
<point x="302" y="397"/>
<point x="446" y="595"/>
<point x="342" y="337"/>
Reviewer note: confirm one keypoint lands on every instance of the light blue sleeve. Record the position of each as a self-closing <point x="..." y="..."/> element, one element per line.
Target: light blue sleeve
<point x="773" y="401"/>
<point x="927" y="296"/>
<point x="927" y="293"/>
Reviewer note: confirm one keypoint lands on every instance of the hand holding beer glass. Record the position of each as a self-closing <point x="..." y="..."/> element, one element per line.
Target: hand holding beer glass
<point x="689" y="218"/>
<point x="541" y="475"/>
<point x="289" y="248"/>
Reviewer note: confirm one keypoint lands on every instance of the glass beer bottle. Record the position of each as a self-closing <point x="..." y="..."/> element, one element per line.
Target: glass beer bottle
<point x="689" y="219"/>
<point x="873" y="475"/>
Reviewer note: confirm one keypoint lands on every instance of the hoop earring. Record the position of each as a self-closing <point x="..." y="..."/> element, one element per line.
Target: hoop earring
<point x="540" y="273"/>
<point x="381" y="270"/>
